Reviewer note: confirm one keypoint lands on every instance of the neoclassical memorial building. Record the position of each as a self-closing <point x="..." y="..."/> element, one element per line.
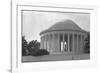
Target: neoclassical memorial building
<point x="65" y="36"/>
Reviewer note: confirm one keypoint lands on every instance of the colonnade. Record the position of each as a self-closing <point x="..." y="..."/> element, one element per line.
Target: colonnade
<point x="63" y="42"/>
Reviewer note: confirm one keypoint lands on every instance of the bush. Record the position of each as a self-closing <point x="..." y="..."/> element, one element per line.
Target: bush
<point x="40" y="52"/>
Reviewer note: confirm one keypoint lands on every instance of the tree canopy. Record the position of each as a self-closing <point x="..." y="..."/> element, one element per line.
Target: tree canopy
<point x="87" y="44"/>
<point x="32" y="48"/>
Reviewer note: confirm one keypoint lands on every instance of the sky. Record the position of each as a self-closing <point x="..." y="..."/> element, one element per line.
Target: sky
<point x="36" y="21"/>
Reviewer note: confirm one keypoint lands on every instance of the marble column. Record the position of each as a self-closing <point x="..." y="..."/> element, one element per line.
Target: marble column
<point x="50" y="42"/>
<point x="81" y="43"/>
<point x="47" y="42"/>
<point x="76" y="37"/>
<point x="63" y="42"/>
<point x="68" y="38"/>
<point x="73" y="47"/>
<point x="54" y="44"/>
<point x="77" y="43"/>
<point x="59" y="49"/>
<point x="43" y="42"/>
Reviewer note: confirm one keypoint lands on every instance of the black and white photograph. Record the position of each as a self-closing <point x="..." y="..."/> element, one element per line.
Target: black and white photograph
<point x="55" y="36"/>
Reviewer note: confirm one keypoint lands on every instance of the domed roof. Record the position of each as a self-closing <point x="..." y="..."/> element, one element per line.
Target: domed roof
<point x="63" y="25"/>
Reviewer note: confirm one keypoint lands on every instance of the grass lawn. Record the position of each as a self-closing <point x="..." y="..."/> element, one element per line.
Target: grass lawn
<point x="55" y="57"/>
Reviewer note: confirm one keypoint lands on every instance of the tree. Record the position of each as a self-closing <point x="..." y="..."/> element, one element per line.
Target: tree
<point x="33" y="46"/>
<point x="87" y="44"/>
<point x="24" y="46"/>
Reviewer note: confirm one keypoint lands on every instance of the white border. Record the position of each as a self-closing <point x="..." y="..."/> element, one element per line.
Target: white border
<point x="17" y="66"/>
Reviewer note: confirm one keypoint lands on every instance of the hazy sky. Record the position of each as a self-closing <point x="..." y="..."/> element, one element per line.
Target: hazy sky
<point x="34" y="22"/>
